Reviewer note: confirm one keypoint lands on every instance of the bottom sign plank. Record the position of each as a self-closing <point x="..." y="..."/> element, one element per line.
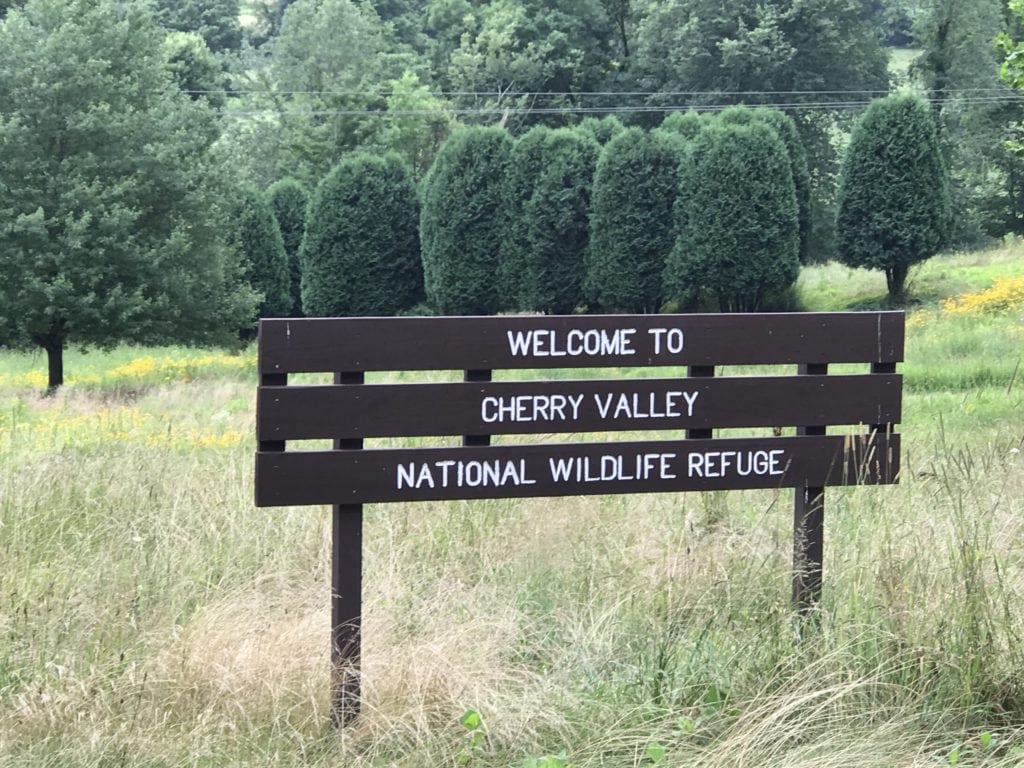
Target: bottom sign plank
<point x="571" y="469"/>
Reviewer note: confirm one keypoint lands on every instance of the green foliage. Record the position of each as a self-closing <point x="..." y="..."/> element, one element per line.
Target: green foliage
<point x="461" y="221"/>
<point x="259" y="242"/>
<point x="327" y="66"/>
<point x="288" y="200"/>
<point x="785" y="129"/>
<point x="737" y="216"/>
<point x="416" y="125"/>
<point x="360" y="255"/>
<point x="109" y="188"/>
<point x="556" y="224"/>
<point x="215" y="20"/>
<point x="603" y="129"/>
<point x="521" y="48"/>
<point x="194" y="67"/>
<point x="526" y="162"/>
<point x="893" y="198"/>
<point x="779" y="45"/>
<point x="6" y="5"/>
<point x="548" y="761"/>
<point x="686" y="124"/>
<point x="959" y="52"/>
<point x="632" y="231"/>
<point x="476" y="737"/>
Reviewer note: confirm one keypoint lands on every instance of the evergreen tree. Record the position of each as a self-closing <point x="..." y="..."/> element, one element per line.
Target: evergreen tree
<point x="111" y="222"/>
<point x="527" y="159"/>
<point x="258" y="239"/>
<point x="461" y="221"/>
<point x="288" y="200"/>
<point x="632" y="230"/>
<point x="361" y="254"/>
<point x="602" y="130"/>
<point x="893" y="196"/>
<point x="686" y="124"/>
<point x="556" y="224"/>
<point x="737" y="214"/>
<point x="784" y="127"/>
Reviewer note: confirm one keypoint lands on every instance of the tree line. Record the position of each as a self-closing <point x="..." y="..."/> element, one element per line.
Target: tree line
<point x="701" y="211"/>
<point x="134" y="137"/>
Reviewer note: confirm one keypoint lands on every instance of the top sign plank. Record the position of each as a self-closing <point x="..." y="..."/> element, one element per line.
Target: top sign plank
<point x="525" y="342"/>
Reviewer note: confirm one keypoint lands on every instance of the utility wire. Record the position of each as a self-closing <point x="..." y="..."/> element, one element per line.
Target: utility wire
<point x="504" y="94"/>
<point x="580" y="110"/>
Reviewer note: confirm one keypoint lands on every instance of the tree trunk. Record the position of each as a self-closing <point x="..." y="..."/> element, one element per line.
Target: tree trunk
<point x="53" y="343"/>
<point x="55" y="364"/>
<point x="895" y="277"/>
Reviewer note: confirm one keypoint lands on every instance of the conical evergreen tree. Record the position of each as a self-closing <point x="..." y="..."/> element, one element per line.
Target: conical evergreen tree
<point x="737" y="216"/>
<point x="632" y="229"/>
<point x="360" y="254"/>
<point x="462" y="220"/>
<point x="288" y="199"/>
<point x="894" y="191"/>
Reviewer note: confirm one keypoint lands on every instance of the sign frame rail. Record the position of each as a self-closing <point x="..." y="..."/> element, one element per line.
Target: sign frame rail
<point x="688" y="407"/>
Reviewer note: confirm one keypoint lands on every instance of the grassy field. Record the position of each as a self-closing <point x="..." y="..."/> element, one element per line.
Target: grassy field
<point x="151" y="616"/>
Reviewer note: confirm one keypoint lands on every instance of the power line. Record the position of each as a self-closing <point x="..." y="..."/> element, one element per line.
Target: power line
<point x="580" y="110"/>
<point x="504" y="94"/>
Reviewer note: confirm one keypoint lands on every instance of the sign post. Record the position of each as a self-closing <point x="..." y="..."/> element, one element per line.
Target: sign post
<point x="689" y="408"/>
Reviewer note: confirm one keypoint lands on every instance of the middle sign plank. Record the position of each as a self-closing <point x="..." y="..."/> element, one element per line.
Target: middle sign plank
<point x="534" y="407"/>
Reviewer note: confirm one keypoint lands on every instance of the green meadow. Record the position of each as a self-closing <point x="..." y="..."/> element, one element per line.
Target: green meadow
<point x="150" y="615"/>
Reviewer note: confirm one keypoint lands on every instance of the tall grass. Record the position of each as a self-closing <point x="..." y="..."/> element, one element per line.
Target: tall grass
<point x="150" y="616"/>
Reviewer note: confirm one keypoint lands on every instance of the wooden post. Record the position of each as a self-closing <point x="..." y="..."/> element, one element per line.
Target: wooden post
<point x="700" y="372"/>
<point x="479" y="375"/>
<point x="346" y="594"/>
<point x="808" y="526"/>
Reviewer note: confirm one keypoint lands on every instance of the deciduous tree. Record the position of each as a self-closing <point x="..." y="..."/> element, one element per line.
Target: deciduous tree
<point x="111" y="220"/>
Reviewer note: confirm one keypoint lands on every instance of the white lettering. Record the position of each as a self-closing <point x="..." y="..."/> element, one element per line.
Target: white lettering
<point x="576" y="343"/>
<point x="671" y="338"/>
<point x="745" y="463"/>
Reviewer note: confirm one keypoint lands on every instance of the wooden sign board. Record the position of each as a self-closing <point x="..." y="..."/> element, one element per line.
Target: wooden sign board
<point x="682" y="405"/>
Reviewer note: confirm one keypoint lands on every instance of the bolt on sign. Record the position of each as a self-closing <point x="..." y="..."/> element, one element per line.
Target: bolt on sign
<point x="681" y="407"/>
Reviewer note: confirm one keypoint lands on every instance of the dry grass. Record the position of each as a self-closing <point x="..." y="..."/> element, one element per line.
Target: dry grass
<point x="150" y="616"/>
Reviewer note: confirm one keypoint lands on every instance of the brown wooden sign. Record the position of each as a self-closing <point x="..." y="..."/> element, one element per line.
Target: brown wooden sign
<point x="682" y="405"/>
<point x="573" y="469"/>
<point x="574" y="341"/>
<point x="544" y="407"/>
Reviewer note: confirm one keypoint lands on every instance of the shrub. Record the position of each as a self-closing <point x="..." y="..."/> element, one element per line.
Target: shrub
<point x="685" y="124"/>
<point x="288" y="200"/>
<point x="602" y="130"/>
<point x="632" y="230"/>
<point x="737" y="216"/>
<point x="785" y="128"/>
<point x="893" y="193"/>
<point x="266" y="264"/>
<point x="461" y="221"/>
<point x="556" y="224"/>
<point x="360" y="254"/>
<point x="526" y="161"/>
